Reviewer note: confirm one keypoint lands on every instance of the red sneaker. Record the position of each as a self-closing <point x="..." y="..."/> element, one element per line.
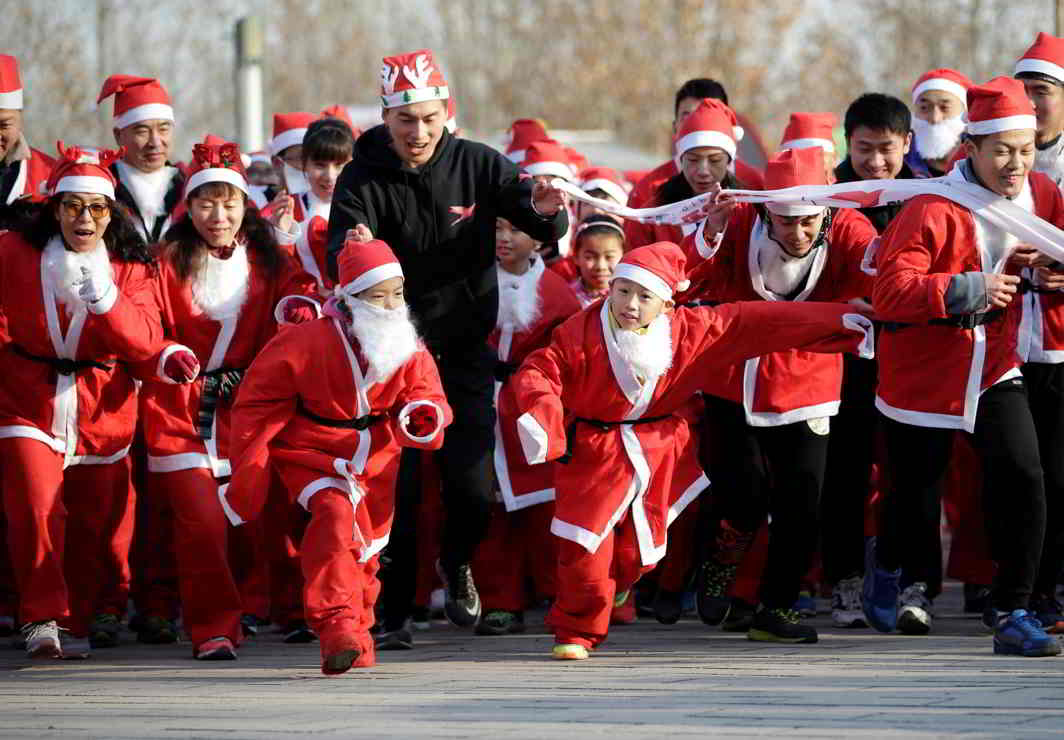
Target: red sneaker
<point x="216" y="648"/>
<point x="623" y="609"/>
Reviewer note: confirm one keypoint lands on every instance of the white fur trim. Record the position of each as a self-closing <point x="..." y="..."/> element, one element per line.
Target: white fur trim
<point x="696" y="139"/>
<point x="940" y="83"/>
<point x="693" y="491"/>
<point x="320" y="484"/>
<point x="517" y="156"/>
<point x="166" y="353"/>
<point x="558" y="169"/>
<point x="85" y="184"/>
<point x="644" y="277"/>
<point x="609" y="187"/>
<point x="11" y="100"/>
<point x="217" y="174"/>
<point x="404" y="417"/>
<point x="534" y="442"/>
<point x="188" y="461"/>
<point x="234" y="518"/>
<point x="1041" y="66"/>
<point x="369" y="278"/>
<point x="106" y="302"/>
<point x="793" y="209"/>
<point x="278" y="310"/>
<point x="28" y="432"/>
<point x="415" y="95"/>
<point x="868" y="261"/>
<point x="826" y="144"/>
<point x="147" y="112"/>
<point x="859" y="322"/>
<point x="996" y="125"/>
<point x="705" y="251"/>
<point x="285" y="139"/>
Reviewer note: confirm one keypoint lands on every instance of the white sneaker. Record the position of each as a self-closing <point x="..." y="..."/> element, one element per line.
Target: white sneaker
<point x="42" y="640"/>
<point x="846" y="603"/>
<point x="914" y="610"/>
<point x="74" y="648"/>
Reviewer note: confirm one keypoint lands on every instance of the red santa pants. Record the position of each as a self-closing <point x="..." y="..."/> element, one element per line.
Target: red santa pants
<point x="518" y="549"/>
<point x="210" y="601"/>
<point x="284" y="521"/>
<point x="339" y="592"/>
<point x="588" y="581"/>
<point x="63" y="527"/>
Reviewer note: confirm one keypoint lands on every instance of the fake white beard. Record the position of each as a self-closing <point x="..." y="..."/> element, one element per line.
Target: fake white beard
<point x="937" y="140"/>
<point x="650" y="354"/>
<point x="519" y="301"/>
<point x="148" y="190"/>
<point x="221" y="286"/>
<point x="386" y="337"/>
<point x="64" y="267"/>
<point x="782" y="273"/>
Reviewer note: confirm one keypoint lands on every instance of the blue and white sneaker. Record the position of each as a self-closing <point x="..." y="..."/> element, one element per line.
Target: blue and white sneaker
<point x="1021" y="634"/>
<point x="879" y="594"/>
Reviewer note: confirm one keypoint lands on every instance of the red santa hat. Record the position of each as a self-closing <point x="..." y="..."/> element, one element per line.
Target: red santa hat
<point x="361" y="265"/>
<point x="413" y="77"/>
<point x="288" y="130"/>
<point x="521" y="133"/>
<point x="1045" y="57"/>
<point x="136" y="99"/>
<point x="711" y="124"/>
<point x="946" y="80"/>
<point x="810" y="129"/>
<point x="660" y="268"/>
<point x="452" y="115"/>
<point x="795" y="167"/>
<point x="577" y="161"/>
<point x="81" y="170"/>
<point x="999" y="105"/>
<point x="10" y="84"/>
<point x="216" y="162"/>
<point x="605" y="179"/>
<point x="547" y="158"/>
<point x="340" y="113"/>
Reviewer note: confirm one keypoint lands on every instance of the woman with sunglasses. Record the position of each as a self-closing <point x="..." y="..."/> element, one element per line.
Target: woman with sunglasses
<point x="77" y="303"/>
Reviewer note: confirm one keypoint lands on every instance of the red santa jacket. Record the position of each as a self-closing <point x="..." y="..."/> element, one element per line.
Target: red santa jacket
<point x="309" y="251"/>
<point x="651" y="467"/>
<point x="932" y="375"/>
<point x="1042" y="324"/>
<point x="88" y="414"/>
<point x="521" y="484"/>
<point x="306" y="379"/>
<point x="180" y="432"/>
<point x="33" y="173"/>
<point x="793" y="385"/>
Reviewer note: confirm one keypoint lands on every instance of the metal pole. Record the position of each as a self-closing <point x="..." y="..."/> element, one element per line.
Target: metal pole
<point x="1058" y="18"/>
<point x="249" y="49"/>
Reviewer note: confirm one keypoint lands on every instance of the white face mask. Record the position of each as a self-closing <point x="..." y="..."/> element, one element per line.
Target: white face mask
<point x="937" y="140"/>
<point x="295" y="181"/>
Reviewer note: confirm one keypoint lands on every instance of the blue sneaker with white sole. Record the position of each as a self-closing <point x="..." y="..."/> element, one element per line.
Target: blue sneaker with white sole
<point x="1020" y="633"/>
<point x="879" y="592"/>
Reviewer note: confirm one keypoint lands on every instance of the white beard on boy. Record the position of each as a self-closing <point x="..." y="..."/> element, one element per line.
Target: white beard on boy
<point x="64" y="267"/>
<point x="386" y="337"/>
<point x="220" y="287"/>
<point x="649" y="355"/>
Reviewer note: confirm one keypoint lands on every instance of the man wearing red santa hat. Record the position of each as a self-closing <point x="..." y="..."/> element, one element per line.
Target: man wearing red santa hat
<point x="938" y="121"/>
<point x="221" y="279"/>
<point x="329" y="404"/>
<point x="774" y="414"/>
<point x="435" y="198"/>
<point x="23" y="170"/>
<point x="521" y="133"/>
<point x="949" y="361"/>
<point x="604" y="396"/>
<point x="144" y="126"/>
<point x="1041" y="69"/>
<point x="76" y="287"/>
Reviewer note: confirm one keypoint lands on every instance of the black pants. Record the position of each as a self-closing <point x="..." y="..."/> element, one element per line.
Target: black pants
<point x="1013" y="494"/>
<point x="775" y="471"/>
<point x="1045" y="389"/>
<point x="467" y="477"/>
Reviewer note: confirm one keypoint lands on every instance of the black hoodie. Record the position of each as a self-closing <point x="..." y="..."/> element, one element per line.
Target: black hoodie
<point x="439" y="219"/>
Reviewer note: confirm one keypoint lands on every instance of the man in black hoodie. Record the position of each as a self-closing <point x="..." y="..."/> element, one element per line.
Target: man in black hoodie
<point x="434" y="199"/>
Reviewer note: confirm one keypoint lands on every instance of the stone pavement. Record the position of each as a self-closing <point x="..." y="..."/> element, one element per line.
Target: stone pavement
<point x="647" y="681"/>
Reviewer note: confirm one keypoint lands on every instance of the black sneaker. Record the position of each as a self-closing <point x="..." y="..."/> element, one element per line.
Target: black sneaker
<point x="462" y="605"/>
<point x="298" y="632"/>
<point x="740" y="616"/>
<point x="668" y="606"/>
<point x="103" y="633"/>
<point x="251" y="624"/>
<point x="976" y="598"/>
<point x="400" y="639"/>
<point x="711" y="596"/>
<point x="780" y="625"/>
<point x="501" y="622"/>
<point x="157" y="631"/>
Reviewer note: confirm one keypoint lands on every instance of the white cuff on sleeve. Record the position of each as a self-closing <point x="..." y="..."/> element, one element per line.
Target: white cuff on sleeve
<point x="107" y="302"/>
<point x="167" y="353"/>
<point x="231" y="515"/>
<point x="288" y="237"/>
<point x="533" y="437"/>
<point x="404" y="417"/>
<point x="858" y="322"/>
<point x="278" y="310"/>
<point x="705" y="250"/>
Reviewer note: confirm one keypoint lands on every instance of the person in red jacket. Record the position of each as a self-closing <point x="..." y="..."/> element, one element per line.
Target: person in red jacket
<point x="222" y="276"/>
<point x="329" y="404"/>
<point x="76" y="293"/>
<point x="23" y="170"/>
<point x="949" y="361"/>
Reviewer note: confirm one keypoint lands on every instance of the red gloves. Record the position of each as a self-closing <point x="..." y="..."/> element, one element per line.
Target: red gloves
<point x="181" y="367"/>
<point x="421" y="422"/>
<point x="298" y="312"/>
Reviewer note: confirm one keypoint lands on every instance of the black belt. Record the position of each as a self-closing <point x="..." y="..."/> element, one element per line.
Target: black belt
<point x="62" y="365"/>
<point x="360" y="423"/>
<point x="602" y="426"/>
<point x="218" y="385"/>
<point x="438" y="303"/>
<point x="963" y="321"/>
<point x="503" y="370"/>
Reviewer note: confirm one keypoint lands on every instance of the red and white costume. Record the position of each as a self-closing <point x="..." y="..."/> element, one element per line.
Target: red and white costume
<point x="34" y="166"/>
<point x="1046" y="57"/>
<point x="630" y="477"/>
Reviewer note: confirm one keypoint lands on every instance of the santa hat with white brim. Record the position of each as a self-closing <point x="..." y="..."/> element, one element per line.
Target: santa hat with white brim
<point x="78" y="170"/>
<point x="1045" y="57"/>
<point x="805" y="130"/>
<point x="793" y="167"/>
<point x="136" y="99"/>
<point x="711" y="124"/>
<point x="547" y="158"/>
<point x="288" y="130"/>
<point x="214" y="162"/>
<point x="661" y="268"/>
<point x="999" y="105"/>
<point x="10" y="84"/>
<point x="946" y="80"/>
<point x="410" y="78"/>
<point x="361" y="265"/>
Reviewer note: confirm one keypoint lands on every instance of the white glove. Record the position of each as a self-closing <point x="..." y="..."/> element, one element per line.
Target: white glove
<point x="97" y="290"/>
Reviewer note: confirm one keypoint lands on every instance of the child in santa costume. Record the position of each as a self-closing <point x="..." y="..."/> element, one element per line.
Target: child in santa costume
<point x="598" y="182"/>
<point x="221" y="279"/>
<point x="605" y="395"/>
<point x="949" y="361"/>
<point x="329" y="404"/>
<point x="597" y="248"/>
<point x="23" y="170"/>
<point x="76" y="293"/>
<point x="519" y="548"/>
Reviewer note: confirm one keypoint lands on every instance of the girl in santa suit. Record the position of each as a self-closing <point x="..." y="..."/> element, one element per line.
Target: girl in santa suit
<point x="329" y="404"/>
<point x="76" y="291"/>
<point x="775" y="408"/>
<point x="597" y="248"/>
<point x="222" y="278"/>
<point x="519" y="547"/>
<point x="605" y="395"/>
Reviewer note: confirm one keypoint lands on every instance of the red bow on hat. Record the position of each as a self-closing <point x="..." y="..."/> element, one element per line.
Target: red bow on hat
<point x="225" y="155"/>
<point x="75" y="156"/>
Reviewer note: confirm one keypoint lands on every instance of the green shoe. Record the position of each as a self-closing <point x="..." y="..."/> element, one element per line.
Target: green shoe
<point x="501" y="622"/>
<point x="780" y="625"/>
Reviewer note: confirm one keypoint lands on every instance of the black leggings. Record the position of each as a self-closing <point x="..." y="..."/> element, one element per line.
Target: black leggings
<point x="1013" y="494"/>
<point x="1045" y="389"/>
